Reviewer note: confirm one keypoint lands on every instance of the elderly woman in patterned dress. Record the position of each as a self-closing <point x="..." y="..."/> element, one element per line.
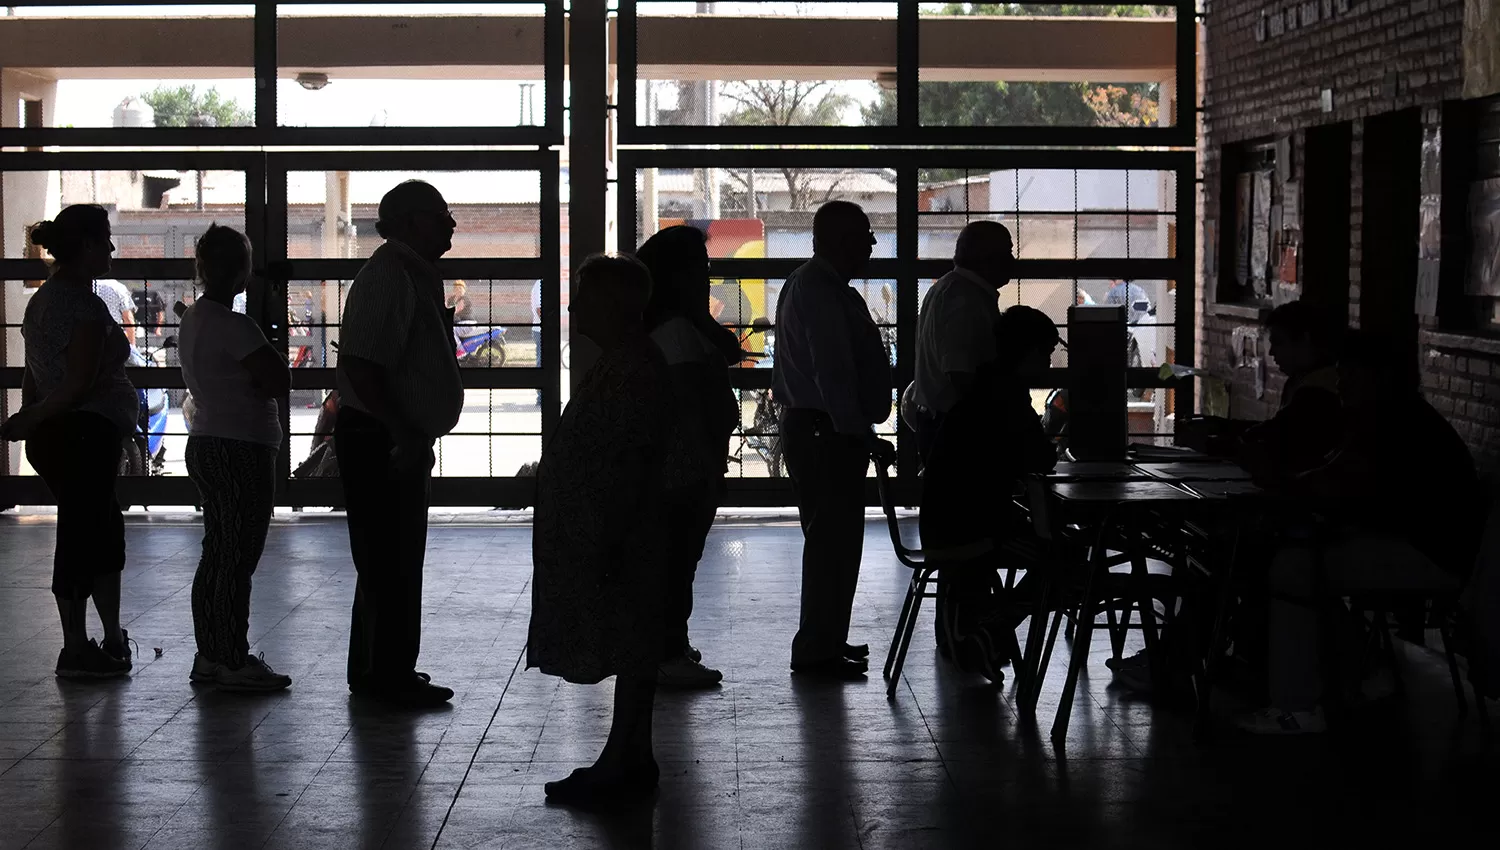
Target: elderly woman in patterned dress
<point x="599" y="545"/>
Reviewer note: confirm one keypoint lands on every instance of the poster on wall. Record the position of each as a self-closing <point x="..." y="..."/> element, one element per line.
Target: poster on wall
<point x="1260" y="234"/>
<point x="1481" y="48"/>
<point x="1484" y="218"/>
<point x="1243" y="208"/>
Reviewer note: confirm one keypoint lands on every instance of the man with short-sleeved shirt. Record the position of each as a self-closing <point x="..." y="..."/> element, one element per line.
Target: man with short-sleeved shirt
<point x="833" y="380"/>
<point x="956" y="327"/>
<point x="399" y="391"/>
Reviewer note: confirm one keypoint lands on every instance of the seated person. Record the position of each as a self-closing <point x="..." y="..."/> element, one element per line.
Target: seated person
<point x="986" y="444"/>
<point x="1306" y="426"/>
<point x="1399" y="498"/>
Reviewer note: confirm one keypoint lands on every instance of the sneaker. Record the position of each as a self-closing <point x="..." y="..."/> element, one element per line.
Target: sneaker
<point x="254" y="675"/>
<point x="685" y="672"/>
<point x="204" y="670"/>
<point x="90" y="661"/>
<point x="1274" y="721"/>
<point x="1140" y="659"/>
<point x="1136" y="677"/>
<point x="120" y="651"/>
<point x="693" y="652"/>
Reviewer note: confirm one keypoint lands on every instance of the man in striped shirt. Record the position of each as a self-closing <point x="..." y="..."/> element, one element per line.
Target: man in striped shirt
<point x="399" y="391"/>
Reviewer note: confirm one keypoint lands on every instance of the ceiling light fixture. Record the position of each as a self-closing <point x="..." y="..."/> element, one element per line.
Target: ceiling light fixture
<point x="312" y="82"/>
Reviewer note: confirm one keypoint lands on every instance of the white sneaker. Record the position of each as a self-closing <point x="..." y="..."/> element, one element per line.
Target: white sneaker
<point x="684" y="672"/>
<point x="1274" y="721"/>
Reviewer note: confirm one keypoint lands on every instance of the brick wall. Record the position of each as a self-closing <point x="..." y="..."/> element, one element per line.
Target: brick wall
<point x="1378" y="56"/>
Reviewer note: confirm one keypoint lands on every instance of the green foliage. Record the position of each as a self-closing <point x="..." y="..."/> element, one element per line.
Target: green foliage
<point x="176" y="105"/>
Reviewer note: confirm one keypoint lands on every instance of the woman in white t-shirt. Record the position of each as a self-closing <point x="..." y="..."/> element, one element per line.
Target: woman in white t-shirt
<point x="235" y="377"/>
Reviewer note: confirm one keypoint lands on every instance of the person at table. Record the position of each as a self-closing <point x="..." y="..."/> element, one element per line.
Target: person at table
<point x="833" y="380"/>
<point x="699" y="351"/>
<point x="956" y="327"/>
<point x="1399" y="503"/>
<point x="601" y="540"/>
<point x="1307" y="424"/>
<point x="988" y="442"/>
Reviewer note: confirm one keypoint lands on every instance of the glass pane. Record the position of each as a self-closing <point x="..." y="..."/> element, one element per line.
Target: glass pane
<point x="766" y="64"/>
<point x="1053" y="214"/>
<point x="332" y="214"/>
<point x="153" y="214"/>
<point x="774" y="204"/>
<point x="1004" y="65"/>
<point x="495" y="324"/>
<point x="132" y="66"/>
<point x="411" y="65"/>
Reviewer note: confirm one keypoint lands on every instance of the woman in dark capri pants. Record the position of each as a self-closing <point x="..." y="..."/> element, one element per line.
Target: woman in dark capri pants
<point x="76" y="408"/>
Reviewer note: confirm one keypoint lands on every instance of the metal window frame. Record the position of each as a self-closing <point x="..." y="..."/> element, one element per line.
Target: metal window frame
<point x="908" y="270"/>
<point x="267" y="133"/>
<point x="908" y="129"/>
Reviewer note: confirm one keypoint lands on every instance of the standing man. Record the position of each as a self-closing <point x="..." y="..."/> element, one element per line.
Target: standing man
<point x="834" y="381"/>
<point x="399" y="391"/>
<point x="956" y="330"/>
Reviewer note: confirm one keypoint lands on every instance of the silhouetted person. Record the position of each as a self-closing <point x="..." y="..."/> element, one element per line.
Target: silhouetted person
<point x="1400" y="497"/>
<point x="399" y="391"/>
<point x="698" y="351"/>
<point x="77" y="407"/>
<point x="956" y="327"/>
<point x="235" y="376"/>
<point x="833" y="380"/>
<point x="989" y="441"/>
<point x="600" y="542"/>
<point x="1308" y="422"/>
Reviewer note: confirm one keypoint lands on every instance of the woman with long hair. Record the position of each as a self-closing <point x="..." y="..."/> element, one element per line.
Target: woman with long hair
<point x="77" y="406"/>
<point x="699" y="352"/>
<point x="235" y="376"/>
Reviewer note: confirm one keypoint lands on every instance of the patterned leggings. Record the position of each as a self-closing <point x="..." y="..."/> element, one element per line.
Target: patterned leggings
<point x="236" y="482"/>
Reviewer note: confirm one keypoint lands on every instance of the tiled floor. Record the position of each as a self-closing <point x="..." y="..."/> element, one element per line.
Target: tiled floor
<point x="763" y="762"/>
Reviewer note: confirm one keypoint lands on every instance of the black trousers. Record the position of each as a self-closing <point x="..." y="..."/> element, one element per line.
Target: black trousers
<point x="828" y="472"/>
<point x="78" y="455"/>
<point x="690" y="516"/>
<point x="927" y="428"/>
<point x="388" y="538"/>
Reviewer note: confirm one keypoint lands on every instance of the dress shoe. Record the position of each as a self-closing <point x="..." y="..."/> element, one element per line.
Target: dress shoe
<point x="413" y="692"/>
<point x="844" y="669"/>
<point x="856" y="651"/>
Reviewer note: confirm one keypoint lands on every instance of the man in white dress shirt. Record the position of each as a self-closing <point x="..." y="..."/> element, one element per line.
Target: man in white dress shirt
<point x="956" y="328"/>
<point x="833" y="379"/>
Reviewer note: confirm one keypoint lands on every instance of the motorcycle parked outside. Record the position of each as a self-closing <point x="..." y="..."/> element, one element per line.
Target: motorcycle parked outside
<point x="478" y="346"/>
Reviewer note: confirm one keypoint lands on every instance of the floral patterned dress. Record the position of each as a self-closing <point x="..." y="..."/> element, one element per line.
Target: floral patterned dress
<point x="599" y="540"/>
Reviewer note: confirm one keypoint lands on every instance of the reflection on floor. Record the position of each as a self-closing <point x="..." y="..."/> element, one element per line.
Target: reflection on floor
<point x="762" y="762"/>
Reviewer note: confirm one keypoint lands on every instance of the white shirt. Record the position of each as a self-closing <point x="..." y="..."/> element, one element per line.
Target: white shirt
<point x="955" y="333"/>
<point x="212" y="342"/>
<point x="116" y="299"/>
<point x="829" y="356"/>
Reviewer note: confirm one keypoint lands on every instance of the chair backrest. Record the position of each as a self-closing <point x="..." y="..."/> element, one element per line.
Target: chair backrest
<point x="888" y="505"/>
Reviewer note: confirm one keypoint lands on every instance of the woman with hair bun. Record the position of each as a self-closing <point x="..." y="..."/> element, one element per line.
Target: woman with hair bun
<point x="76" y="408"/>
<point x="235" y="376"/>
